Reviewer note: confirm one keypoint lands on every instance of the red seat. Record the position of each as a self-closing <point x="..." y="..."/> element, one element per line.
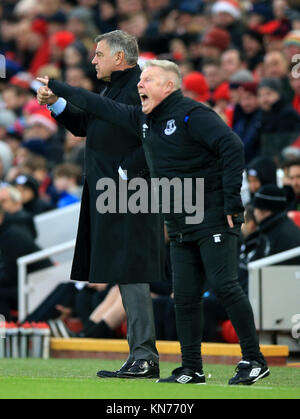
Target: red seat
<point x="228" y="333"/>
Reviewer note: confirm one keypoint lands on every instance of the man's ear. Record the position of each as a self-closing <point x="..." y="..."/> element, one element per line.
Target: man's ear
<point x="119" y="57"/>
<point x="170" y="86"/>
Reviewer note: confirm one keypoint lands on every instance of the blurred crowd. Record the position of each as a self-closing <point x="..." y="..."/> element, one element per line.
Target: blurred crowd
<point x="242" y="58"/>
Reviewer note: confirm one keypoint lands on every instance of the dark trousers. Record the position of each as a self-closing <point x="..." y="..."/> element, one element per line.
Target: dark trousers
<point x="214" y="260"/>
<point x="8" y="301"/>
<point x="137" y="303"/>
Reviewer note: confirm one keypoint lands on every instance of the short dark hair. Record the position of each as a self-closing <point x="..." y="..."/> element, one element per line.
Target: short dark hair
<point x="68" y="170"/>
<point x="289" y="163"/>
<point x="249" y="213"/>
<point x="121" y="41"/>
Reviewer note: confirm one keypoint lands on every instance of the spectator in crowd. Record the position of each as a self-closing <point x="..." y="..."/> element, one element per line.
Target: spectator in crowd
<point x="194" y="85"/>
<point x="66" y="179"/>
<point x="226" y="15"/>
<point x="260" y="172"/>
<point x="15" y="242"/>
<point x="276" y="66"/>
<point x="214" y="43"/>
<point x="11" y="201"/>
<point x="15" y="98"/>
<point x="6" y="160"/>
<point x="293" y="172"/>
<point x="41" y="135"/>
<point x="247" y="120"/>
<point x="279" y="119"/>
<point x="253" y="47"/>
<point x="29" y="189"/>
<point x="277" y="232"/>
<point x="231" y="62"/>
<point x="215" y="80"/>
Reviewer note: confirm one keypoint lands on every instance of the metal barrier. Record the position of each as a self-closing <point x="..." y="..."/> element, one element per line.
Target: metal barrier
<point x="23" y="277"/>
<point x="65" y="221"/>
<point x="274" y="293"/>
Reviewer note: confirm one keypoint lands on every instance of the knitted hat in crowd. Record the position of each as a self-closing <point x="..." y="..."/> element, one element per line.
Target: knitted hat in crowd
<point x="231" y="7"/>
<point x="196" y="82"/>
<point x="264" y="169"/>
<point x="292" y="38"/>
<point x="62" y="39"/>
<point x="250" y="87"/>
<point x="43" y="118"/>
<point x="271" y="83"/>
<point x="218" y="38"/>
<point x="270" y="198"/>
<point x="240" y="77"/>
<point x="28" y="182"/>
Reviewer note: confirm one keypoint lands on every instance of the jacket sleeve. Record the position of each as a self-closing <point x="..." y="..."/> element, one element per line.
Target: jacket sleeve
<point x="125" y="116"/>
<point x="74" y="120"/>
<point x="206" y="127"/>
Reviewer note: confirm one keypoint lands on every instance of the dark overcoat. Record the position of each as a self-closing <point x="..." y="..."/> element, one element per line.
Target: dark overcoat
<point x="114" y="248"/>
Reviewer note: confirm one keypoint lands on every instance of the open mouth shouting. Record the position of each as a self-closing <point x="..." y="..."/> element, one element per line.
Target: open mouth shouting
<point x="146" y="103"/>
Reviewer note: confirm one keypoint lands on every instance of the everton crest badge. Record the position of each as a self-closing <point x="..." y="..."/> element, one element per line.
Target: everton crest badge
<point x="171" y="127"/>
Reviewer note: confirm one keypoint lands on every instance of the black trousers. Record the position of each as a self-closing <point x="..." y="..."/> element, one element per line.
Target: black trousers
<point x="213" y="259"/>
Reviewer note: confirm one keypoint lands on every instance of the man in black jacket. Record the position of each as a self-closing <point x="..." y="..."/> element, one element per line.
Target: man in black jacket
<point x="277" y="232"/>
<point x="15" y="242"/>
<point x="184" y="139"/>
<point x="110" y="247"/>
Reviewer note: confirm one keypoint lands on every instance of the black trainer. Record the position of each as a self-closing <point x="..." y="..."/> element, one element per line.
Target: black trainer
<point x="184" y="376"/>
<point x="114" y="374"/>
<point x="141" y="369"/>
<point x="248" y="372"/>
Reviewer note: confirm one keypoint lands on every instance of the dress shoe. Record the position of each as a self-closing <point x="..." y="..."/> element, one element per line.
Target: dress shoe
<point x="114" y="374"/>
<point x="141" y="369"/>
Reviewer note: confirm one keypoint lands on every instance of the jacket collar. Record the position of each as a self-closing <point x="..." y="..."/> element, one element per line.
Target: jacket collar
<point x="274" y="219"/>
<point x="120" y="79"/>
<point x="170" y="103"/>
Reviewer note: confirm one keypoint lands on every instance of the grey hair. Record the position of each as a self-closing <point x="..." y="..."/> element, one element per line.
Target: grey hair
<point x="168" y="66"/>
<point x="121" y="41"/>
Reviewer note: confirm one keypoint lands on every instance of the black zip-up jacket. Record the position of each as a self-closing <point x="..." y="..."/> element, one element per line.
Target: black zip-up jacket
<point x="182" y="139"/>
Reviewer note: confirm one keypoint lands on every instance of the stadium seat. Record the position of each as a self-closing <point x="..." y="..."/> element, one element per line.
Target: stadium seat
<point x="228" y="333"/>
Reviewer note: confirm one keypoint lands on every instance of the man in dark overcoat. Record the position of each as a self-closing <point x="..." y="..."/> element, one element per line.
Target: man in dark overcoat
<point x="116" y="248"/>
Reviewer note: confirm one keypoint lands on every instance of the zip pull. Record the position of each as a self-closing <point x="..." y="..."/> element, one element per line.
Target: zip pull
<point x="180" y="238"/>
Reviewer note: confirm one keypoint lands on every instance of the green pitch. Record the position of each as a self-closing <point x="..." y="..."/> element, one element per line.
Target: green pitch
<point x="76" y="379"/>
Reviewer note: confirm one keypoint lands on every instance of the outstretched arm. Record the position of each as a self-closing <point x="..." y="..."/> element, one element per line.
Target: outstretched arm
<point x="73" y="119"/>
<point x="128" y="117"/>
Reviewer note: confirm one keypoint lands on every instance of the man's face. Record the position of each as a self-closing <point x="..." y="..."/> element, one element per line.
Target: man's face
<point x="294" y="175"/>
<point x="248" y="101"/>
<point x="260" y="215"/>
<point x="7" y="203"/>
<point x="27" y="193"/>
<point x="104" y="62"/>
<point x="154" y="87"/>
<point x="267" y="97"/>
<point x="254" y="183"/>
<point x="275" y="65"/>
<point x="230" y="62"/>
<point x="213" y="75"/>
